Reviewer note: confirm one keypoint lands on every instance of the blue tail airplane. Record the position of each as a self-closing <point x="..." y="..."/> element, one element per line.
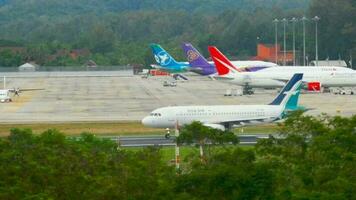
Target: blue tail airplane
<point x="166" y="62"/>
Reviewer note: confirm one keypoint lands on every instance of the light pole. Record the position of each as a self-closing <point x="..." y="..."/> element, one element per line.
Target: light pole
<point x="316" y="19"/>
<point x="294" y="20"/>
<point x="284" y="20"/>
<point x="351" y="59"/>
<point x="275" y="21"/>
<point x="177" y="150"/>
<point x="303" y="20"/>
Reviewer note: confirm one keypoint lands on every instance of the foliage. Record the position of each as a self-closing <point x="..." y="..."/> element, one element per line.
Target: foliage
<point x="50" y="166"/>
<point x="119" y="32"/>
<point x="337" y="27"/>
<point x="313" y="158"/>
<point x="8" y="58"/>
<point x="196" y="132"/>
<point x="230" y="174"/>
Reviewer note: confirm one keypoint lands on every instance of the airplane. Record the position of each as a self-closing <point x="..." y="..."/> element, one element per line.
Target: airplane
<point x="5" y="96"/>
<point x="229" y="116"/>
<point x="274" y="77"/>
<point x="166" y="62"/>
<point x="198" y="62"/>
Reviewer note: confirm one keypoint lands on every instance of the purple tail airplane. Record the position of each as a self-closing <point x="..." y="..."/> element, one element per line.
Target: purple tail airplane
<point x="201" y="66"/>
<point x="197" y="62"/>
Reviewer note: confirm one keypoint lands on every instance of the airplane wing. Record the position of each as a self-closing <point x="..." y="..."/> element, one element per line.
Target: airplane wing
<point x="250" y="121"/>
<point x="222" y="78"/>
<point x="31" y="89"/>
<point x="180" y="77"/>
<point x="197" y="70"/>
<point x="286" y="80"/>
<point x="246" y="121"/>
<point x="281" y="80"/>
<point x="16" y="91"/>
<point x="302" y="108"/>
<point x="154" y="66"/>
<point x="23" y="90"/>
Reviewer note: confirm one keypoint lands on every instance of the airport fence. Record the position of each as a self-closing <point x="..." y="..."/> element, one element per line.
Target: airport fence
<point x="68" y="68"/>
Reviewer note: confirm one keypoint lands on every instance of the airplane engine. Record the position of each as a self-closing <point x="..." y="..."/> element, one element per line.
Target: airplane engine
<point x="216" y="126"/>
<point x="314" y="86"/>
<point x="247" y="79"/>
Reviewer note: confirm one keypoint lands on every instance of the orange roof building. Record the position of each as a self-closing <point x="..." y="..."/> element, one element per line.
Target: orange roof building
<point x="267" y="52"/>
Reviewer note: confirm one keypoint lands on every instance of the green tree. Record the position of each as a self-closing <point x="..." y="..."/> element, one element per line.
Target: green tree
<point x="314" y="157"/>
<point x="52" y="166"/>
<point x="232" y="173"/>
<point x="336" y="27"/>
<point x="10" y="59"/>
<point x="199" y="134"/>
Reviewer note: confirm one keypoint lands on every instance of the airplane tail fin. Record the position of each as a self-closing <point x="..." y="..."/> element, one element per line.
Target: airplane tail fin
<point x="222" y="63"/>
<point x="195" y="59"/>
<point x="289" y="95"/>
<point x="162" y="57"/>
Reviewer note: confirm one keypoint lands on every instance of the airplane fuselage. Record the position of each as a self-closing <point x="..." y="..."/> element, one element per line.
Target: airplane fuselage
<point x="5" y="96"/>
<point x="167" y="117"/>
<point x="181" y="67"/>
<point x="276" y="76"/>
<point x="177" y="68"/>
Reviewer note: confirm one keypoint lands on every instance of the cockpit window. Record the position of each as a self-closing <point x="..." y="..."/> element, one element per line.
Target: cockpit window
<point x="155" y="114"/>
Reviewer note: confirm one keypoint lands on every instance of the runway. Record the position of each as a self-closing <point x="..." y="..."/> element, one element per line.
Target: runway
<point x="100" y="96"/>
<point x="54" y="74"/>
<point x="159" y="140"/>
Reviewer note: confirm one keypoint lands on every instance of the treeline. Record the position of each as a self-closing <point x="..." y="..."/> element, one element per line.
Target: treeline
<point x="54" y="8"/>
<point x="315" y="159"/>
<point x="119" y="32"/>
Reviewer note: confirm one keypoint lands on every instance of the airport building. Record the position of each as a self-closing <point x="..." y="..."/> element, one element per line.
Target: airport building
<point x="267" y="52"/>
<point x="338" y="63"/>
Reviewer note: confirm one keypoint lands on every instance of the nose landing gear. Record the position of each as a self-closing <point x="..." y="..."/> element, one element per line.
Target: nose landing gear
<point x="168" y="133"/>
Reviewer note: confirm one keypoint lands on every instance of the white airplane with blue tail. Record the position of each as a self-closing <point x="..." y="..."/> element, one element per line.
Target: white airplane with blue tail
<point x="228" y="116"/>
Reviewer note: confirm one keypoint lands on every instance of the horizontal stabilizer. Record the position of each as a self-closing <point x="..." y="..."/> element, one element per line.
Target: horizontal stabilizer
<point x="179" y="76"/>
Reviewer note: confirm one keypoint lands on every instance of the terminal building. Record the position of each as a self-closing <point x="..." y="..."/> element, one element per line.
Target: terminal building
<point x="338" y="63"/>
<point x="267" y="52"/>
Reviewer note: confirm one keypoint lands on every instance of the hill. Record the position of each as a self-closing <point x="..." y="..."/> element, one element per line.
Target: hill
<point x="119" y="31"/>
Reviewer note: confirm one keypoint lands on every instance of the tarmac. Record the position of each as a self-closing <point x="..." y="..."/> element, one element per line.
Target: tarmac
<point x="159" y="140"/>
<point x="121" y="96"/>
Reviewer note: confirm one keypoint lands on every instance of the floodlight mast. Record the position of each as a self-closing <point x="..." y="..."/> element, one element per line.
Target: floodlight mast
<point x="304" y="56"/>
<point x="316" y="19"/>
<point x="284" y="20"/>
<point x="275" y="21"/>
<point x="294" y="20"/>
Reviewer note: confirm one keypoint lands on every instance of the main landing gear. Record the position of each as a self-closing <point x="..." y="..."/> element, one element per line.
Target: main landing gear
<point x="247" y="90"/>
